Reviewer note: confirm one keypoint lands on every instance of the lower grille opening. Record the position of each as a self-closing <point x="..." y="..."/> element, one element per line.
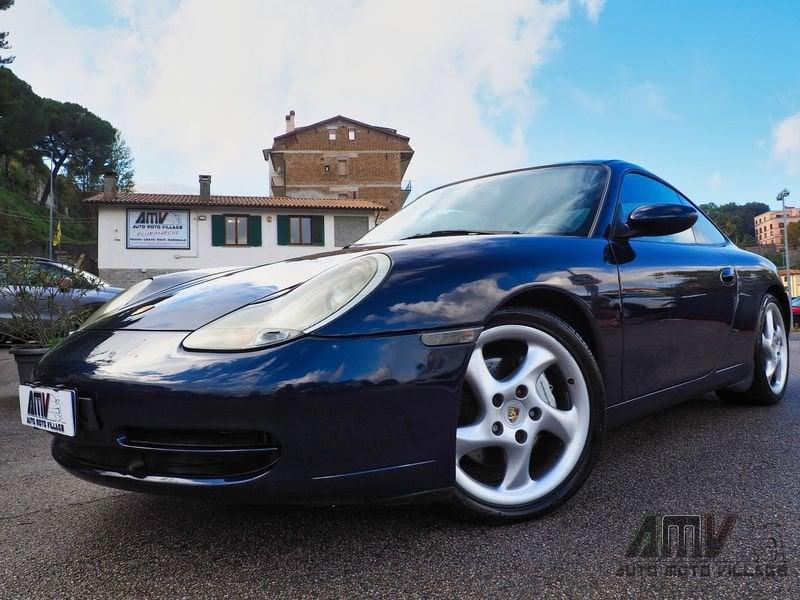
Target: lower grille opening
<point x="196" y="439"/>
<point x="194" y="454"/>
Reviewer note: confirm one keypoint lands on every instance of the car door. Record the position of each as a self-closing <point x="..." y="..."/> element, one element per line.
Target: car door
<point x="678" y="297"/>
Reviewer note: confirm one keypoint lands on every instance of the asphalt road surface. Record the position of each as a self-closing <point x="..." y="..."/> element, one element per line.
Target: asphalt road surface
<point x="61" y="537"/>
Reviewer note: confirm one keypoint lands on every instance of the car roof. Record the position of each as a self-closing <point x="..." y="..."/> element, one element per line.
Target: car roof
<point x="36" y="258"/>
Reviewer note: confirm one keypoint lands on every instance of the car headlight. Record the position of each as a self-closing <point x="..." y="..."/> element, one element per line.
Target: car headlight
<point x="117" y="302"/>
<point x="301" y="310"/>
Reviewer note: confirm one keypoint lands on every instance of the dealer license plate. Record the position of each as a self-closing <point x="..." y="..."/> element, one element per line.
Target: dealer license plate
<point x="48" y="409"/>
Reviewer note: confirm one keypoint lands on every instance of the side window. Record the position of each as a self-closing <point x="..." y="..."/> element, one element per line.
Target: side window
<point x="705" y="232"/>
<point x="638" y="190"/>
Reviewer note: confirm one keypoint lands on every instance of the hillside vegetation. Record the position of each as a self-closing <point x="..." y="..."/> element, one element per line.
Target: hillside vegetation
<point x="38" y="135"/>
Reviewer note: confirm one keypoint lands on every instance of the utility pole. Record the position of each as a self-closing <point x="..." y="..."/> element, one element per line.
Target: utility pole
<point x="52" y="204"/>
<point x="782" y="199"/>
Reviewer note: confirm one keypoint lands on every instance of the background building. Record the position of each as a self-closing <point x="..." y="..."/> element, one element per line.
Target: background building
<point x="340" y="157"/>
<point x="142" y="235"/>
<point x="769" y="225"/>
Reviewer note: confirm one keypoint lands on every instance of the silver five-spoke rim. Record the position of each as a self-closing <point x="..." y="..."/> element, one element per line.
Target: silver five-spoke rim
<point x="537" y="414"/>
<point x="774" y="349"/>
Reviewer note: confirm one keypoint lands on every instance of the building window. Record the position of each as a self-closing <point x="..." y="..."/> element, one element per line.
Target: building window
<point x="351" y="134"/>
<point x="347" y="229"/>
<point x="341" y="166"/>
<point x="301" y="230"/>
<point x="332" y="135"/>
<point x="235" y="230"/>
<point x="780" y="225"/>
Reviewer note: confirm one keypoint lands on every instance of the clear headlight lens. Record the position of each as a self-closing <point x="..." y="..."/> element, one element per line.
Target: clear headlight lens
<point x="303" y="309"/>
<point x="117" y="303"/>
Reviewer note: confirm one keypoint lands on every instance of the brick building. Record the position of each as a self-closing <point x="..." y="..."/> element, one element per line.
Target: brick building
<point x="769" y="225"/>
<point x="343" y="158"/>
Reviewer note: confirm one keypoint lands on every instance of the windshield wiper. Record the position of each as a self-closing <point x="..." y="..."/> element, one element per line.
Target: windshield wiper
<point x="446" y="232"/>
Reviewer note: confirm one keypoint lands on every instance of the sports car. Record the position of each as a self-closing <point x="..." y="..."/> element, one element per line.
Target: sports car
<point x="473" y="349"/>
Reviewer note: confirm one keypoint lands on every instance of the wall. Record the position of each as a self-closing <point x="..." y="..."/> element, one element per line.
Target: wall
<point x="374" y="166"/>
<point x="769" y="225"/>
<point x="122" y="266"/>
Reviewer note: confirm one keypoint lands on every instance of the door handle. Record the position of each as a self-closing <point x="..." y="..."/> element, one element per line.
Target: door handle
<point x="727" y="276"/>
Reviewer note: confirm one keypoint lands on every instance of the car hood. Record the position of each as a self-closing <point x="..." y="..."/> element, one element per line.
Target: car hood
<point x="433" y="283"/>
<point x="186" y="301"/>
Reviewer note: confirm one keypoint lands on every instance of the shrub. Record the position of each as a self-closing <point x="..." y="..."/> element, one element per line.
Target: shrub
<point x="42" y="304"/>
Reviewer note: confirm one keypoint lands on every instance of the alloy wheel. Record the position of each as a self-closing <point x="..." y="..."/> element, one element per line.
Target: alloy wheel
<point x="524" y="419"/>
<point x="773" y="348"/>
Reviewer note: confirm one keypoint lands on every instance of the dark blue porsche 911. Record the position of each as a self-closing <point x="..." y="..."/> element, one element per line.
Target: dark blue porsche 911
<point x="474" y="348"/>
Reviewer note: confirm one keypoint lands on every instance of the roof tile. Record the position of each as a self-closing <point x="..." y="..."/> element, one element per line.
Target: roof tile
<point x="237" y="201"/>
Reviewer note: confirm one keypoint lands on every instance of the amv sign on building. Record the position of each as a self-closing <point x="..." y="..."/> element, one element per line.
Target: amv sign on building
<point x="158" y="228"/>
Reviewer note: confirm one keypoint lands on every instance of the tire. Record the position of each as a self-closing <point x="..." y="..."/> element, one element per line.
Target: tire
<point x="547" y="404"/>
<point x="764" y="391"/>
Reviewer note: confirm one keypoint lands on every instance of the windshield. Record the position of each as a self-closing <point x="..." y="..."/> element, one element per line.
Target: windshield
<point x="561" y="200"/>
<point x="90" y="277"/>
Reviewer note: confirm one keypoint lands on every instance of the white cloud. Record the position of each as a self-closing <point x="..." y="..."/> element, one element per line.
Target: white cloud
<point x="786" y="143"/>
<point x="643" y="99"/>
<point x="202" y="86"/>
<point x="593" y="8"/>
<point x="715" y="182"/>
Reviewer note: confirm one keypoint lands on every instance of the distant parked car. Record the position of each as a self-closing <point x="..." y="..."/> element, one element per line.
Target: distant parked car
<point x="796" y="310"/>
<point x="70" y="290"/>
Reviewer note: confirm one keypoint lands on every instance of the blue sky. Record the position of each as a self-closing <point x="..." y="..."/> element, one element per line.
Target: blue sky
<point x="705" y="94"/>
<point x="690" y="90"/>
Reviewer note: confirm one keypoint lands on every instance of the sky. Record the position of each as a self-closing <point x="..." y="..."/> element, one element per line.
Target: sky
<point x="705" y="94"/>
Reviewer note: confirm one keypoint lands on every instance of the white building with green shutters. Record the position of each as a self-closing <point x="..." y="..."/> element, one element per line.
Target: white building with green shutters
<point x="141" y="235"/>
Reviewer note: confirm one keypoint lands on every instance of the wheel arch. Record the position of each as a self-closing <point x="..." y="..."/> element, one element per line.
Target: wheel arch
<point x="565" y="305"/>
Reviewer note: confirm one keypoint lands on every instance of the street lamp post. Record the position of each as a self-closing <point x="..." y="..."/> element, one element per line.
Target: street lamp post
<point x="782" y="199"/>
<point x="52" y="204"/>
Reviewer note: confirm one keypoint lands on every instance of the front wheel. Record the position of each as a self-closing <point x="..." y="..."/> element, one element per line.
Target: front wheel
<point x="771" y="359"/>
<point x="531" y="418"/>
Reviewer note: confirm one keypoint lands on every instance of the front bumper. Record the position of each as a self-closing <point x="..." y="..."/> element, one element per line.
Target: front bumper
<point x="318" y="420"/>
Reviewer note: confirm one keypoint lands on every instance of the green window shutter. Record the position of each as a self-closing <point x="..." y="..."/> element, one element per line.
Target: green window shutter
<point x="283" y="230"/>
<point x="254" y="230"/>
<point x="217" y="230"/>
<point x="318" y="231"/>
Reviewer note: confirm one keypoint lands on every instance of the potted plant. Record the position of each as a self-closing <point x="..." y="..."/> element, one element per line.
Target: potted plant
<point x="40" y="304"/>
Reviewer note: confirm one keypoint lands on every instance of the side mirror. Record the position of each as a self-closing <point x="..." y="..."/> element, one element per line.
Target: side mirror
<point x="657" y="219"/>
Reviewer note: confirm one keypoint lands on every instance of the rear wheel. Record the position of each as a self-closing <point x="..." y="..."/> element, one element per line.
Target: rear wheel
<point x="531" y="419"/>
<point x="771" y="360"/>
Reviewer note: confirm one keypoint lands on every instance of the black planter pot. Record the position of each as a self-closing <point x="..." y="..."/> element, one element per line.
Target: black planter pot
<point x="27" y="357"/>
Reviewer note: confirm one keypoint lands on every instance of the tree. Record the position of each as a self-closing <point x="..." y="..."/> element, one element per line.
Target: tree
<point x="90" y="162"/>
<point x="793" y="233"/>
<point x="122" y="163"/>
<point x="4" y="45"/>
<point x="21" y="115"/>
<point x="77" y="138"/>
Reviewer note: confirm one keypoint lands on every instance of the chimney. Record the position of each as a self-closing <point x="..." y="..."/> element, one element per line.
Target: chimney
<point x="109" y="185"/>
<point x="290" y="121"/>
<point x="205" y="186"/>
